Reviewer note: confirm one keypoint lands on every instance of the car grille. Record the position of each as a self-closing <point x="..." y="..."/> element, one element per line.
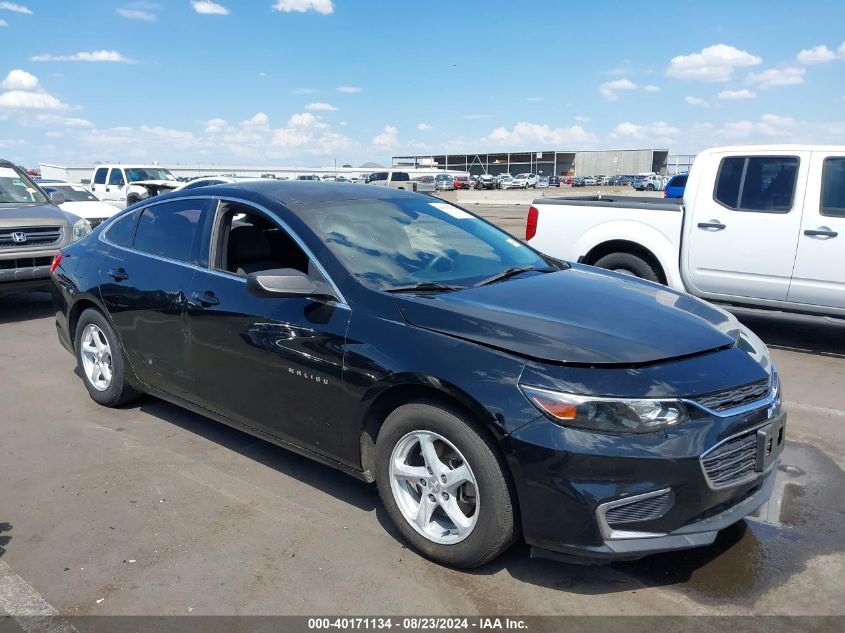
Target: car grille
<point x="34" y="236"/>
<point x="733" y="462"/>
<point x="735" y="397"/>
<point x="642" y="510"/>
<point x="25" y="262"/>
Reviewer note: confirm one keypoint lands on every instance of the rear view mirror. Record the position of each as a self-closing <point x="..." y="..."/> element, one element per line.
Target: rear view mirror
<point x="57" y="198"/>
<point x="284" y="282"/>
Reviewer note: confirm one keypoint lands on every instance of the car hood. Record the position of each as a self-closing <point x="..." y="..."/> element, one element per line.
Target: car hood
<point x="581" y="316"/>
<point x="157" y="183"/>
<point x="90" y="209"/>
<point x="23" y="215"/>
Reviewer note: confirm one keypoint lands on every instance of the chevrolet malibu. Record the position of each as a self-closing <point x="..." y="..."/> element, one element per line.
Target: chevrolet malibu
<point x="489" y="391"/>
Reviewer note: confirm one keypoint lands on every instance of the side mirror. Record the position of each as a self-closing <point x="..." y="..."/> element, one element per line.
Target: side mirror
<point x="285" y="282"/>
<point x="57" y="198"/>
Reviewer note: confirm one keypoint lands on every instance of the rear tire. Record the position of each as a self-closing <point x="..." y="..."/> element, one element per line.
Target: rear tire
<point x="649" y="188"/>
<point x="459" y="450"/>
<point x="630" y="264"/>
<point x="100" y="361"/>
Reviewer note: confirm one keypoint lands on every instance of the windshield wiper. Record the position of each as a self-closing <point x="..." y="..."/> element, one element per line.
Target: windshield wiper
<point x="508" y="272"/>
<point x="425" y="286"/>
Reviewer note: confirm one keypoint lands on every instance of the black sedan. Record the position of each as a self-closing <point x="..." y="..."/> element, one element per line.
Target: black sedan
<point x="488" y="390"/>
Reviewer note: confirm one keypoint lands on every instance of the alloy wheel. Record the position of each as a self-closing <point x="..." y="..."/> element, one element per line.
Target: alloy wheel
<point x="434" y="487"/>
<point x="96" y="357"/>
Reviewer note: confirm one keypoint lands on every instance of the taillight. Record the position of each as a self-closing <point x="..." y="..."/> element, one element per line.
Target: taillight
<point x="57" y="259"/>
<point x="665" y="193"/>
<point x="531" y="223"/>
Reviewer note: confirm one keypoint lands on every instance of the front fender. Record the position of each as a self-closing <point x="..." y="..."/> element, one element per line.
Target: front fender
<point x="659" y="242"/>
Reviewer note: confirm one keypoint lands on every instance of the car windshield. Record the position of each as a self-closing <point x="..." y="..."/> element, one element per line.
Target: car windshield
<point x="408" y="241"/>
<point x="522" y="175"/>
<point x="17" y="188"/>
<point x="72" y="193"/>
<point x="137" y="174"/>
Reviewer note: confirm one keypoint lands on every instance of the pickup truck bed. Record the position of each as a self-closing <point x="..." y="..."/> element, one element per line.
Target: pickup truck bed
<point x="595" y="226"/>
<point x="760" y="225"/>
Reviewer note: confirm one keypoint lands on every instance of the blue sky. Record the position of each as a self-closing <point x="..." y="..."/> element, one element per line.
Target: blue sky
<point x="306" y="82"/>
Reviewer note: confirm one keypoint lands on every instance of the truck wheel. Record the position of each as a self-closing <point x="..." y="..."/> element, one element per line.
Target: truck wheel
<point x="444" y="485"/>
<point x="101" y="362"/>
<point x="628" y="264"/>
<point x="649" y="188"/>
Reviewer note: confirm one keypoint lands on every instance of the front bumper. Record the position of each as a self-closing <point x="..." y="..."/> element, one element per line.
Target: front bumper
<point x="697" y="534"/>
<point x="25" y="273"/>
<point x="568" y="480"/>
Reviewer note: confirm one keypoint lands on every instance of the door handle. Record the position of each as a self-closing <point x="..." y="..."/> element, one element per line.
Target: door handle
<point x="822" y="232"/>
<point x="107" y="189"/>
<point x="204" y="299"/>
<point x="118" y="275"/>
<point x="714" y="225"/>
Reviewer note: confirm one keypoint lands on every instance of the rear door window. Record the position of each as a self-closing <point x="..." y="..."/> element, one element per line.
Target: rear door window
<point x="763" y="184"/>
<point x="116" y="177"/>
<point x="171" y="229"/>
<point x="833" y="187"/>
<point x="122" y="230"/>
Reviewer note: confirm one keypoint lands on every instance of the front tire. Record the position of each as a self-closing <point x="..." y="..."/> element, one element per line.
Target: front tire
<point x="100" y="361"/>
<point x="629" y="264"/>
<point x="444" y="485"/>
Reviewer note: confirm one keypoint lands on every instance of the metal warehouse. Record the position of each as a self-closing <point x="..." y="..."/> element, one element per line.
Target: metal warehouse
<point x="546" y="162"/>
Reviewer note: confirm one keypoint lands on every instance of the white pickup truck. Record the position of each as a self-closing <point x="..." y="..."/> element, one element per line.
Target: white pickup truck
<point x="762" y="226"/>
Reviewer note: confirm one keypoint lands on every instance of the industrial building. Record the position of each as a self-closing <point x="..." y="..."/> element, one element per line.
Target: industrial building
<point x="546" y="162"/>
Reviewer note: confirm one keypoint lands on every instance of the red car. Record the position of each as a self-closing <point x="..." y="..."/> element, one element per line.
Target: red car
<point x="463" y="182"/>
<point x="567" y="180"/>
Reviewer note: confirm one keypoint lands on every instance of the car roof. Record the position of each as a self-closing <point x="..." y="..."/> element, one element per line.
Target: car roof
<point x="294" y="193"/>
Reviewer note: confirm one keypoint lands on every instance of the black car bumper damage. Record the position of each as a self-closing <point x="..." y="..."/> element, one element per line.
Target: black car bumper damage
<point x="587" y="498"/>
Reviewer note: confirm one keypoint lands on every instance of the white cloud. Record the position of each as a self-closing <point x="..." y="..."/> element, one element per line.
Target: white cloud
<point x="474" y="117"/>
<point x="582" y="119"/>
<point x="16" y="8"/>
<point x="658" y="133"/>
<point x="92" y="56"/>
<point x="425" y="127"/>
<point x="214" y="126"/>
<point x="303" y="119"/>
<point x="772" y="77"/>
<point x="20" y="80"/>
<point x="651" y="88"/>
<point x="534" y="99"/>
<point x="138" y="11"/>
<point x="21" y="100"/>
<point x="816" y="55"/>
<point x="609" y="88"/>
<point x="3" y="23"/>
<point x="77" y="122"/>
<point x="206" y="7"/>
<point x="697" y="101"/>
<point x="388" y="137"/>
<point x="343" y="124"/>
<point x="714" y="63"/>
<point x="526" y="134"/>
<point x="321" y="106"/>
<point x="54" y="134"/>
<point x="745" y="93"/>
<point x="326" y="7"/>
<point x="841" y="50"/>
<point x="348" y="89"/>
<point x="258" y="119"/>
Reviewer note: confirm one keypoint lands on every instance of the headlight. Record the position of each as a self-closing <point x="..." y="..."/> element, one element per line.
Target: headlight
<point x="614" y="415"/>
<point x="81" y="228"/>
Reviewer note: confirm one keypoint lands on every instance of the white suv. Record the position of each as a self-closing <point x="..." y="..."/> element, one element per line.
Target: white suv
<point x="124" y="185"/>
<point x="525" y="181"/>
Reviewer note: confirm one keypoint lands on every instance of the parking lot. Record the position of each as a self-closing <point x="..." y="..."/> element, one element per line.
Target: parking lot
<point x="153" y="510"/>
